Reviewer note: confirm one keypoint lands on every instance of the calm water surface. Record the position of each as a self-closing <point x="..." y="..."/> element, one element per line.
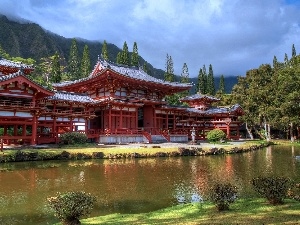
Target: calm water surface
<point x="132" y="185"/>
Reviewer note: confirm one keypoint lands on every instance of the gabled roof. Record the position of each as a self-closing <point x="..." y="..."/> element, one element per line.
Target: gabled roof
<point x="16" y="65"/>
<point x="126" y="73"/>
<point x="20" y="77"/>
<point x="135" y="73"/>
<point x="218" y="110"/>
<point x="199" y="97"/>
<point x="10" y="76"/>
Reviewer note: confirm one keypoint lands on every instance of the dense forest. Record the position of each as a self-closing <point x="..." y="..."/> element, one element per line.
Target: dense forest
<point x="29" y="40"/>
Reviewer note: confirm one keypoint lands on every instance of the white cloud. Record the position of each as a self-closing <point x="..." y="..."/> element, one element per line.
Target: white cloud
<point x="232" y="35"/>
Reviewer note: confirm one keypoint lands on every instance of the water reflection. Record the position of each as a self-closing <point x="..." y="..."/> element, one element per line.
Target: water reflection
<point x="132" y="185"/>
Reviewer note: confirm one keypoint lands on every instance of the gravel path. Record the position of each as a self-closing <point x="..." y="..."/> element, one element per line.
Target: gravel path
<point x="185" y="145"/>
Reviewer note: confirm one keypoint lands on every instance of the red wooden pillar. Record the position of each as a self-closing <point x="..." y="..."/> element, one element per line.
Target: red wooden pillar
<point x="5" y="134"/>
<point x="71" y="119"/>
<point x="24" y="130"/>
<point x="228" y="130"/>
<point x="71" y="123"/>
<point x="34" y="129"/>
<point x="86" y="125"/>
<point x="34" y="122"/>
<point x="174" y="121"/>
<point x="15" y="133"/>
<point x="167" y="120"/>
<point x="121" y="117"/>
<point x="154" y="118"/>
<point x="136" y="118"/>
<point x="109" y="119"/>
<point x="54" y="130"/>
<point x="15" y="130"/>
<point x="5" y="130"/>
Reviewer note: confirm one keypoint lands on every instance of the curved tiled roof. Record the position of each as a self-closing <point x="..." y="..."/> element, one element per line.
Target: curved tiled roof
<point x="199" y="97"/>
<point x="8" y="63"/>
<point x="70" y="96"/>
<point x="138" y="74"/>
<point x="131" y="72"/>
<point x="10" y="76"/>
<point x="20" y="73"/>
<point x="215" y="110"/>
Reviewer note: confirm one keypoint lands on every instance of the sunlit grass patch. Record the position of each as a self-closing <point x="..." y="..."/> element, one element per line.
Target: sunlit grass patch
<point x="244" y="211"/>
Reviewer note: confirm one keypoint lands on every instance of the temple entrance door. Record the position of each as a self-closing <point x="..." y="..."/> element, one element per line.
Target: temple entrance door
<point x="97" y="122"/>
<point x="148" y="121"/>
<point x="140" y="117"/>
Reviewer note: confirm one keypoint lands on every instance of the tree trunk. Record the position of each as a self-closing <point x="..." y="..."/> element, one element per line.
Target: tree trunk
<point x="259" y="133"/>
<point x="267" y="129"/>
<point x="249" y="132"/>
<point x="291" y="132"/>
<point x="269" y="132"/>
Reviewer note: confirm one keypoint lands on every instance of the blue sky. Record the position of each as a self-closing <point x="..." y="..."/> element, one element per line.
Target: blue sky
<point x="232" y="35"/>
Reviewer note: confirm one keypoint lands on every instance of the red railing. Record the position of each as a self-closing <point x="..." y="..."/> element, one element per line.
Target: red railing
<point x="147" y="135"/>
<point x="8" y="103"/>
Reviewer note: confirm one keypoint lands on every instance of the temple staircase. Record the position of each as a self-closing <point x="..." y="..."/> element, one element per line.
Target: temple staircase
<point x="156" y="139"/>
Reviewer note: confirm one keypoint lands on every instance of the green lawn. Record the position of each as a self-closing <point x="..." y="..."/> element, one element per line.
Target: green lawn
<point x="88" y="151"/>
<point x="247" y="211"/>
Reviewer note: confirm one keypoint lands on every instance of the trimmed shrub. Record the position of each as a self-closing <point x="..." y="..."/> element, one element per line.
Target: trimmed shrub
<point x="73" y="138"/>
<point x="215" y="135"/>
<point x="222" y="194"/>
<point x="69" y="207"/>
<point x="274" y="189"/>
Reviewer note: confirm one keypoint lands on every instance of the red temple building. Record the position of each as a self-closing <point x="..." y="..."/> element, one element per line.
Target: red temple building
<point x="114" y="104"/>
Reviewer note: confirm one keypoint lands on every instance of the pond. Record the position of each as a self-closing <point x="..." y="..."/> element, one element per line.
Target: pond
<point x="132" y="185"/>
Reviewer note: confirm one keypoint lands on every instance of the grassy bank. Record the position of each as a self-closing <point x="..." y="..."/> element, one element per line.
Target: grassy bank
<point x="94" y="151"/>
<point x="244" y="211"/>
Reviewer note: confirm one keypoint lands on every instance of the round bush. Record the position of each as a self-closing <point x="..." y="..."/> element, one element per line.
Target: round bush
<point x="222" y="194"/>
<point x="70" y="206"/>
<point x="215" y="135"/>
<point x="273" y="188"/>
<point x="73" y="138"/>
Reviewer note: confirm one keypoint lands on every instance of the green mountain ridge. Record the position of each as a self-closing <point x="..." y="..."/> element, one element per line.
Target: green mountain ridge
<point x="26" y="39"/>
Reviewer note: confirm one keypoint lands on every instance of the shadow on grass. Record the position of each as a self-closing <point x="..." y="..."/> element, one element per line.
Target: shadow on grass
<point x="242" y="212"/>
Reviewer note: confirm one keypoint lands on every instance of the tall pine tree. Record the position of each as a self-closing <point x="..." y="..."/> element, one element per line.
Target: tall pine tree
<point x="135" y="56"/>
<point x="74" y="62"/>
<point x="145" y="68"/>
<point x="202" y="81"/>
<point x="55" y="69"/>
<point x="275" y="63"/>
<point x="125" y="55"/>
<point x="169" y="76"/>
<point x="184" y="78"/>
<point x="222" y="85"/>
<point x="210" y="81"/>
<point x="169" y="73"/>
<point x="85" y="62"/>
<point x="119" y="58"/>
<point x="104" y="52"/>
<point x="293" y="51"/>
<point x="286" y="60"/>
